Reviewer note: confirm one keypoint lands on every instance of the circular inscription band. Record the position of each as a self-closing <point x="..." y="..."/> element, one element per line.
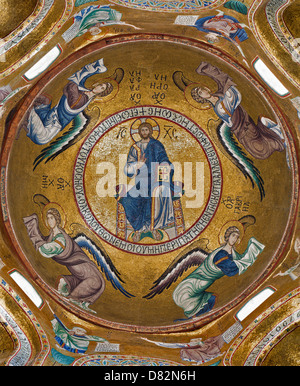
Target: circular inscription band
<point x="148" y="112"/>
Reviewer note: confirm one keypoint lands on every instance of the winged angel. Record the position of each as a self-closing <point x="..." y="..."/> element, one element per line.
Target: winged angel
<point x="190" y="294"/>
<point x="44" y="122"/>
<point x="85" y="284"/>
<point x="235" y="127"/>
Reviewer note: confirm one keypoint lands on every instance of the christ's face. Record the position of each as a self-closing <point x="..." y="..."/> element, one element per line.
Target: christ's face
<point x="145" y="132"/>
<point x="233" y="238"/>
<point x="51" y="220"/>
<point x="100" y="88"/>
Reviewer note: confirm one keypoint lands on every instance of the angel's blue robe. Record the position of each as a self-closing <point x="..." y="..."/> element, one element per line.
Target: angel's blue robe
<point x="149" y="190"/>
<point x="239" y="35"/>
<point x="45" y="122"/>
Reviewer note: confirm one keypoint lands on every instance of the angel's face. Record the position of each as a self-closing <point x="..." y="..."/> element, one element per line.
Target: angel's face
<point x="94" y="30"/>
<point x="212" y="38"/>
<point x="51" y="220"/>
<point x="233" y="238"/>
<point x="100" y="88"/>
<point x="204" y="92"/>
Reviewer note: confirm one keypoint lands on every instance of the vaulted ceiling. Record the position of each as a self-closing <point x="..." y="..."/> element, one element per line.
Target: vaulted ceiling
<point x="149" y="183"/>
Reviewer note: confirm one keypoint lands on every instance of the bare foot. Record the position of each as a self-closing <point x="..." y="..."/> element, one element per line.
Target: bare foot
<point x="156" y="235"/>
<point x="136" y="237"/>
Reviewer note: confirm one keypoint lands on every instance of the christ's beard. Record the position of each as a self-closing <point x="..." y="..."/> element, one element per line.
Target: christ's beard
<point x="145" y="136"/>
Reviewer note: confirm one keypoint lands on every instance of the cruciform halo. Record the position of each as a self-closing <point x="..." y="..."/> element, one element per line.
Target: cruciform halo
<point x="134" y="133"/>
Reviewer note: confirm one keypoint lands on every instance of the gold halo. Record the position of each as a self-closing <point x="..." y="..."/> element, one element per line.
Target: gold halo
<point x="206" y="82"/>
<point x="134" y="128"/>
<point x="98" y="79"/>
<point x="61" y="212"/>
<point x="229" y="224"/>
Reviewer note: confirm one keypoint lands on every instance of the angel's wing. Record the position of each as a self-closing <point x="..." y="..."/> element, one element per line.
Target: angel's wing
<point x="63" y="142"/>
<point x="229" y="146"/>
<point x="181" y="81"/>
<point x="87" y="241"/>
<point x="194" y="255"/>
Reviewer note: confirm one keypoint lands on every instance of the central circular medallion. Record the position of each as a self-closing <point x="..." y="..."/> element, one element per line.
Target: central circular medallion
<point x="136" y="188"/>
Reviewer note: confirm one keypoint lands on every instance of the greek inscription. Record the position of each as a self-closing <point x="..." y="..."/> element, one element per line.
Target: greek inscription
<point x="59" y="183"/>
<point x="236" y="203"/>
<point x="135" y="78"/>
<point x="159" y="87"/>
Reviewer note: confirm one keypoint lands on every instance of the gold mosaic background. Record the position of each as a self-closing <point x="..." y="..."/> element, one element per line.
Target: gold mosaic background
<point x="152" y="45"/>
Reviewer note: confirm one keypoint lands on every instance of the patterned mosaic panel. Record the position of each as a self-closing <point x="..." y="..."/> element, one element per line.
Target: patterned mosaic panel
<point x="122" y="360"/>
<point x="169" y="6"/>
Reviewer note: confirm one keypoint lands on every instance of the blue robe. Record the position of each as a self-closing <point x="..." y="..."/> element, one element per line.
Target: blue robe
<point x="240" y="35"/>
<point x="138" y="202"/>
<point x="45" y="122"/>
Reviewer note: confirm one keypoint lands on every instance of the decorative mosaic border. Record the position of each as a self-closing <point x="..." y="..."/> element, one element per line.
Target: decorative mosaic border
<point x="25" y="23"/>
<point x="23" y="352"/>
<point x="251" y="15"/>
<point x="267" y="342"/>
<point x="273" y="7"/>
<point x="170" y="6"/>
<point x="121" y="360"/>
<point x="272" y="338"/>
<point x="21" y="357"/>
<point x="65" y="17"/>
<point x="28" y="26"/>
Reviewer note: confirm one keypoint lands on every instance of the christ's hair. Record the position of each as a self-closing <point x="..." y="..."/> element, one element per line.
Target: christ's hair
<point x="148" y="125"/>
